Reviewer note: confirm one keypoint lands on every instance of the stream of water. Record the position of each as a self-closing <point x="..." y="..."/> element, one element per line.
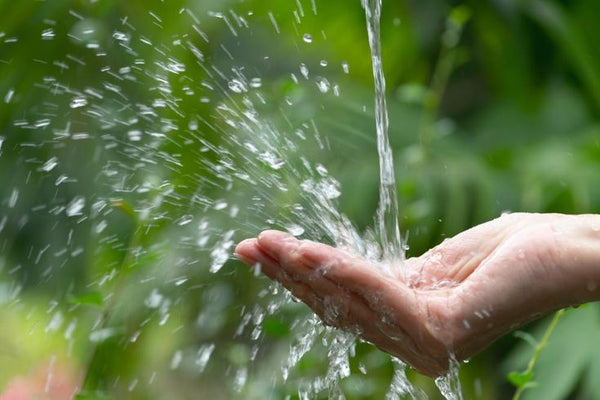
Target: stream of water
<point x="387" y="214"/>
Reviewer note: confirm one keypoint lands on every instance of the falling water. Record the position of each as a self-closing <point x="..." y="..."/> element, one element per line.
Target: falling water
<point x="387" y="213"/>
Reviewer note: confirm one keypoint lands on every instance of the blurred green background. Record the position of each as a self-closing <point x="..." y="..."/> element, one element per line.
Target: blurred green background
<point x="140" y="140"/>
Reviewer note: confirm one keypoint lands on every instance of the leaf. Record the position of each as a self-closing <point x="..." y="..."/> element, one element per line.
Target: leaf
<point x="275" y="328"/>
<point x="91" y="298"/>
<point x="574" y="42"/>
<point x="520" y="379"/>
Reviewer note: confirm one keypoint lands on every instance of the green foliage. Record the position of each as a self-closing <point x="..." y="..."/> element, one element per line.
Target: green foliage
<point x="524" y="380"/>
<point x="568" y="360"/>
<point x="493" y="107"/>
<point x="91" y="298"/>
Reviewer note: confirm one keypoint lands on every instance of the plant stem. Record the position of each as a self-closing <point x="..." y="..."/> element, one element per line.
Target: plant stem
<point x="538" y="349"/>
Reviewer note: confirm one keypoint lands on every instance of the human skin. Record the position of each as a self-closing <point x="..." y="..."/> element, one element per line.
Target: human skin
<point x="454" y="300"/>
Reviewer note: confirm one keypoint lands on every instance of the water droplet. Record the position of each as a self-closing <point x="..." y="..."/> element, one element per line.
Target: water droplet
<point x="50" y="164"/>
<point x="271" y="160"/>
<point x="78" y="102"/>
<point x="101" y="335"/>
<point x="220" y="253"/>
<point x="323" y="84"/>
<point x="176" y="360"/>
<point x="237" y="86"/>
<point x="180" y="281"/>
<point x="241" y="376"/>
<point x="75" y="207"/>
<point x="101" y="226"/>
<point x="304" y="70"/>
<point x="362" y="368"/>
<point x="336" y="90"/>
<point x="135" y="135"/>
<point x="322" y="170"/>
<point x="175" y="66"/>
<point x="9" y="96"/>
<point x="345" y="67"/>
<point x="184" y="220"/>
<point x="134" y="337"/>
<point x="69" y="331"/>
<point x="14" y="196"/>
<point x="323" y="63"/>
<point x="132" y="385"/>
<point x="204" y="356"/>
<point x="255" y="83"/>
<point x="295" y="229"/>
<point x="202" y="241"/>
<point x="120" y="36"/>
<point x="154" y="299"/>
<point x="307" y="38"/>
<point x="220" y="205"/>
<point x="48" y="34"/>
<point x="55" y="323"/>
<point x="61" y="179"/>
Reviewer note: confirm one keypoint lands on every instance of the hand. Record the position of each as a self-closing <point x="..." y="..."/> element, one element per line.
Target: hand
<point x="455" y="299"/>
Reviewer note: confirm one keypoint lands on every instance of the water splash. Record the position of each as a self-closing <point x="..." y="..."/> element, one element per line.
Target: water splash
<point x="449" y="384"/>
<point x="176" y="182"/>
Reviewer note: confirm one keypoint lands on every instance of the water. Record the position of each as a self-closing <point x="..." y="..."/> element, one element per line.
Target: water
<point x="387" y="214"/>
<point x="387" y="226"/>
<point x="136" y="154"/>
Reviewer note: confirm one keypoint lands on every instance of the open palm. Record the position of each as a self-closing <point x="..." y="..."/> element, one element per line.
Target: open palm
<point x="453" y="300"/>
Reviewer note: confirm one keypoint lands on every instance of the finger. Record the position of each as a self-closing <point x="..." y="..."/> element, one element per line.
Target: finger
<point x="287" y="250"/>
<point x="307" y="260"/>
<point x="335" y="305"/>
<point x="245" y="251"/>
<point x="341" y="307"/>
<point x="250" y="253"/>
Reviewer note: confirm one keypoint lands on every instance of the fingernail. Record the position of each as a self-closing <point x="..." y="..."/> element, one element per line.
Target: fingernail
<point x="275" y="235"/>
<point x="244" y="259"/>
<point x="244" y="242"/>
